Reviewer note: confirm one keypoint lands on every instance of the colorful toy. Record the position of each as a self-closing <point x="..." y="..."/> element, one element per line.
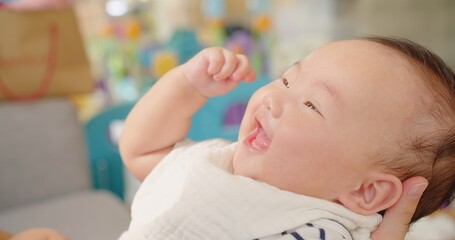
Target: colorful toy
<point x="238" y="39"/>
<point x="132" y="29"/>
<point x="184" y="43"/>
<point x="214" y="9"/>
<point x="214" y="12"/>
<point x="163" y="61"/>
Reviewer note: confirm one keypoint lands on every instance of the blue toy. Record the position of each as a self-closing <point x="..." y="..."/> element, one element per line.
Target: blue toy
<point x="220" y="117"/>
<point x="213" y="9"/>
<point x="104" y="158"/>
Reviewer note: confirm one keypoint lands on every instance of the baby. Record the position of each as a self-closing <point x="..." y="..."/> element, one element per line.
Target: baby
<point x="320" y="151"/>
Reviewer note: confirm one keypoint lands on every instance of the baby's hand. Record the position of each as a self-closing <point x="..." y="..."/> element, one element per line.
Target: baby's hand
<point x="216" y="71"/>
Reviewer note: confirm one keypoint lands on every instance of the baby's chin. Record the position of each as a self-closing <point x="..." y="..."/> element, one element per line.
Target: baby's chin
<point x="234" y="165"/>
<point x="238" y="167"/>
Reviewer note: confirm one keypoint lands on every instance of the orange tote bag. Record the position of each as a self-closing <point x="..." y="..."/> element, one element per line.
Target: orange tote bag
<point x="42" y="54"/>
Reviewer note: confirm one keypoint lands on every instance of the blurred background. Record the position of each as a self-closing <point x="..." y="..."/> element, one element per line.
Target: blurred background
<point x="133" y="42"/>
<point x="130" y="44"/>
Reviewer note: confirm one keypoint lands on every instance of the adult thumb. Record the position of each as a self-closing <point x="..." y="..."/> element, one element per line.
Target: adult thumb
<point x="397" y="218"/>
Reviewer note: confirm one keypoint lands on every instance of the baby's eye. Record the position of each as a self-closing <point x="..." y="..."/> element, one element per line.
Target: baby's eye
<point x="311" y="106"/>
<point x="285" y="82"/>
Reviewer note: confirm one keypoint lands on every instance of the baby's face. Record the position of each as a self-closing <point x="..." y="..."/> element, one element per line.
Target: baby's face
<point x="317" y="130"/>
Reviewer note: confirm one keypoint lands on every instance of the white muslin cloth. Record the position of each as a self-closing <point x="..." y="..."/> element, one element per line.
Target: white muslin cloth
<point x="192" y="194"/>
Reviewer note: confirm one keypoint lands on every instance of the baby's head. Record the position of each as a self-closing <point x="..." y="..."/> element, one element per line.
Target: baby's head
<point x="353" y="120"/>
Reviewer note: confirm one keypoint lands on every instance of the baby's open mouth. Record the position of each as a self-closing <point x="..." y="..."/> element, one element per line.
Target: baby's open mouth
<point x="258" y="140"/>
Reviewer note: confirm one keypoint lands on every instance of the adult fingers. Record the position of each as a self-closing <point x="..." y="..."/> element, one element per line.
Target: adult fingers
<point x="397" y="218"/>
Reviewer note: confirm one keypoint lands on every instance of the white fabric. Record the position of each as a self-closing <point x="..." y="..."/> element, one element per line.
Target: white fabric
<point x="191" y="194"/>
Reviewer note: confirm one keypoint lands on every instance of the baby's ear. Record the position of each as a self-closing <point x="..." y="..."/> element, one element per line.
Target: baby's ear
<point x="380" y="191"/>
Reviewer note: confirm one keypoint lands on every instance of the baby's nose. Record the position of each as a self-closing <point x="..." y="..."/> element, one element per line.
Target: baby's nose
<point x="274" y="104"/>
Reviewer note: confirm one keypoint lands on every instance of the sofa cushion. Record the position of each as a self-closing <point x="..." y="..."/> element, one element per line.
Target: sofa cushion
<point x="42" y="151"/>
<point x="83" y="216"/>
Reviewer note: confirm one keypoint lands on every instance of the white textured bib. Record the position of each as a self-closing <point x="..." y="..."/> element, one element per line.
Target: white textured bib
<point x="191" y="195"/>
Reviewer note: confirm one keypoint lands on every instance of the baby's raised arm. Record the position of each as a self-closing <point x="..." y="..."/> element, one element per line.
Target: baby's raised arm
<point x="162" y="116"/>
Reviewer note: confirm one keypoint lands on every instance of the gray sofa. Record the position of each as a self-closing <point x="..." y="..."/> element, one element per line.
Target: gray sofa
<point x="44" y="174"/>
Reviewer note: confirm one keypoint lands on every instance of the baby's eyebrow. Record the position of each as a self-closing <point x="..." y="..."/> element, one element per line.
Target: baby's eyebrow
<point x="334" y="93"/>
<point x="331" y="90"/>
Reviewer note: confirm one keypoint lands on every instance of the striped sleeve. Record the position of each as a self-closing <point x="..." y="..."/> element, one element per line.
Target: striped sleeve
<point x="322" y="229"/>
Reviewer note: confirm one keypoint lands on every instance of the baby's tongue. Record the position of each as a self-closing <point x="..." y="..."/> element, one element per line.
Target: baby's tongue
<point x="261" y="142"/>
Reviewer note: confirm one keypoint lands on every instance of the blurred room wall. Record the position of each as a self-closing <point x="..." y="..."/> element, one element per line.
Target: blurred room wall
<point x="302" y="25"/>
<point x="431" y="23"/>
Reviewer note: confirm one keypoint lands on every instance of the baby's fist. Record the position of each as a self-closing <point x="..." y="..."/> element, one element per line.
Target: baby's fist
<point x="216" y="71"/>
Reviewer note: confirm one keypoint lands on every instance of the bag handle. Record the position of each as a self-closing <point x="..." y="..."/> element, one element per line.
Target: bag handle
<point x="48" y="74"/>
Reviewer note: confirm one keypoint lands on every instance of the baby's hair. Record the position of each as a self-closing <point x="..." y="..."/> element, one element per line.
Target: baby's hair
<point x="432" y="154"/>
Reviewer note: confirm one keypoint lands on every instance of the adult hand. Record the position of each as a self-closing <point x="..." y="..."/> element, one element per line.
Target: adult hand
<point x="39" y="234"/>
<point x="397" y="218"/>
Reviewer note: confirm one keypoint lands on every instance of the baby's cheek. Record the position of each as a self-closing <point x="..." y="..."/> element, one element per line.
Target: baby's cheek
<point x="241" y="164"/>
<point x="248" y="121"/>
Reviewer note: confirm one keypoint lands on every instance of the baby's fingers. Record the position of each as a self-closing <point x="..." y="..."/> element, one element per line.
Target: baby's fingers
<point x="229" y="66"/>
<point x="215" y="59"/>
<point x="243" y="70"/>
<point x="251" y="76"/>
